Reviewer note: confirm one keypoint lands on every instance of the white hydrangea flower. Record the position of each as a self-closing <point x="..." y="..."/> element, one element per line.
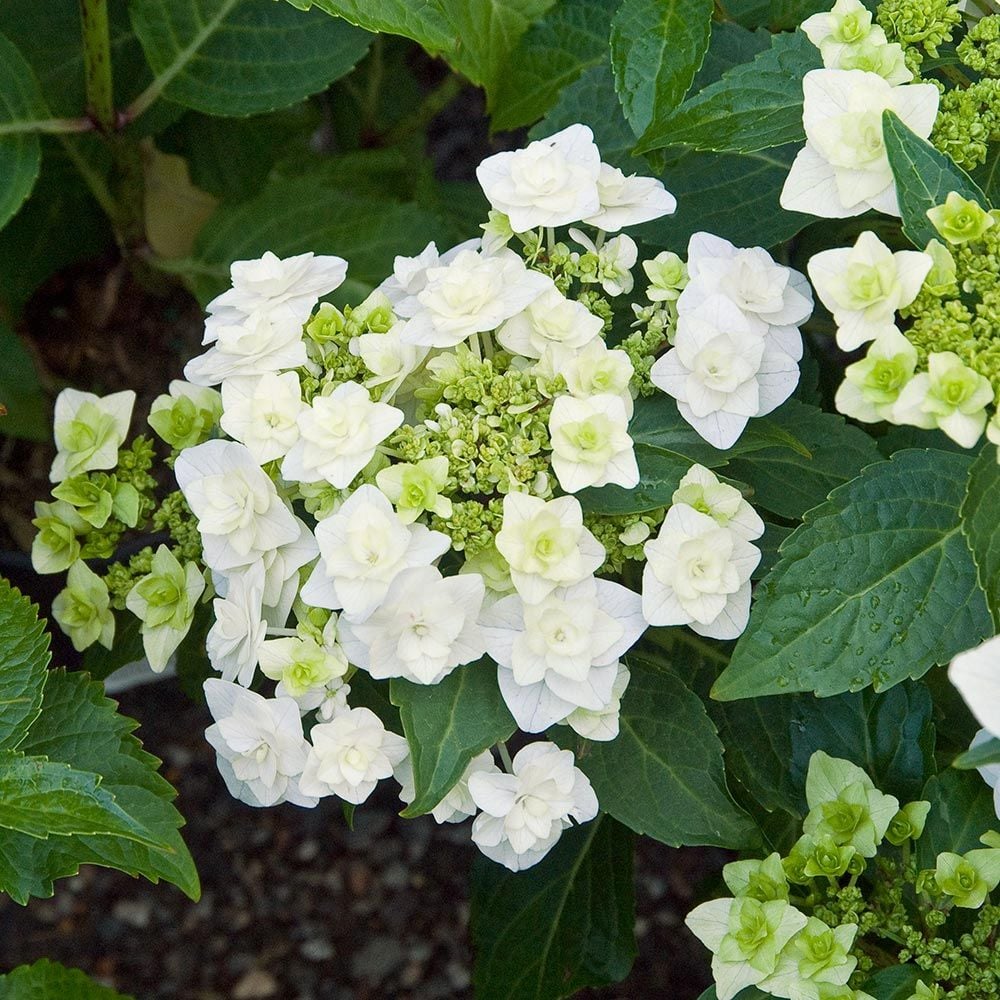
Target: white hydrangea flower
<point x="750" y="278"/>
<point x="409" y="276"/>
<point x="551" y="323"/>
<point x="698" y="573"/>
<point x="833" y="32"/>
<point x="871" y="387"/>
<point x="259" y="746"/>
<point x="458" y="804"/>
<point x="234" y="641"/>
<point x="546" y="545"/>
<point x="425" y="627"/>
<point x="524" y="813"/>
<point x="726" y="367"/>
<point x="338" y="435"/>
<point x="256" y="344"/>
<point x="598" y="369"/>
<point x="629" y="201"/>
<point x="261" y="412"/>
<point x="949" y="395"/>
<point x="551" y="182"/>
<point x="281" y="573"/>
<point x="290" y="287"/>
<point x="362" y="548"/>
<point x="386" y="356"/>
<point x="350" y="754"/>
<point x="590" y="443"/>
<point x="562" y="653"/>
<point x="700" y="488"/>
<point x="88" y="431"/>
<point x="472" y="294"/>
<point x="976" y="674"/>
<point x="301" y="665"/>
<point x="602" y="724"/>
<point x="843" y="169"/>
<point x="240" y="515"/>
<point x="615" y="260"/>
<point x="990" y="773"/>
<point x="865" y="285"/>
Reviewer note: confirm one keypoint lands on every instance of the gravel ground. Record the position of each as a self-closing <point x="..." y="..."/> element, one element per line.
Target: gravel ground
<point x="298" y="907"/>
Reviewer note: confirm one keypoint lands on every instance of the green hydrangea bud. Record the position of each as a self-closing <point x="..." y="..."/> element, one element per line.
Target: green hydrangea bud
<point x="908" y="823"/>
<point x="186" y="415"/>
<point x="327" y="324"/>
<point x="301" y="665"/>
<point x="821" y="952"/>
<point x="416" y="487"/>
<point x="960" y="220"/>
<point x="91" y="498"/>
<point x="374" y="315"/>
<point x="969" y="878"/>
<point x="83" y="608"/>
<point x="925" y="992"/>
<point x="828" y="858"/>
<point x="794" y="863"/>
<point x="762" y="880"/>
<point x="56" y="546"/>
<point x="667" y="275"/>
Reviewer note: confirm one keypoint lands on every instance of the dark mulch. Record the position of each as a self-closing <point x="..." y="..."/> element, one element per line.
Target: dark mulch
<point x="298" y="907"/>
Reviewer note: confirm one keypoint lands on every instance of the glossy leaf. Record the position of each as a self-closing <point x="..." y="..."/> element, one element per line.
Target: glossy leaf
<point x="981" y="524"/>
<point x="24" y="658"/>
<point x="961" y="812"/>
<point x="566" y="923"/>
<point x="857" y="599"/>
<point x="446" y="725"/>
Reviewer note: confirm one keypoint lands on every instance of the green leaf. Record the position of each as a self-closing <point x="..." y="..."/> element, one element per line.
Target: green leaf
<point x="567" y="923"/>
<point x="924" y="178"/>
<point x="663" y="775"/>
<point x="241" y="57"/>
<point x="44" y="798"/>
<point x="731" y="45"/>
<point x="982" y="526"/>
<point x="552" y="53"/>
<point x="788" y="483"/>
<point x="859" y="599"/>
<point x="656" y="48"/>
<point x="732" y="195"/>
<point x="898" y="982"/>
<point x="101" y="663"/>
<point x="79" y="727"/>
<point x="292" y="216"/>
<point x="961" y="812"/>
<point x="981" y="756"/>
<point x="24" y="657"/>
<point x="20" y="392"/>
<point x="769" y="543"/>
<point x="47" y="980"/>
<point x="446" y="725"/>
<point x="754" y="106"/>
<point x="21" y="110"/>
<point x="750" y="993"/>
<point x="987" y="175"/>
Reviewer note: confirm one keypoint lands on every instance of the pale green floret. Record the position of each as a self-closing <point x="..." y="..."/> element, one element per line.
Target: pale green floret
<point x="701" y="489"/>
<point x="668" y="275"/>
<point x="760" y="880"/>
<point x="872" y="386"/>
<point x="97" y="496"/>
<point x="970" y="878"/>
<point x="844" y="804"/>
<point x="943" y="276"/>
<point x="164" y="601"/>
<point x="374" y="315"/>
<point x="56" y="546"/>
<point x="960" y="220"/>
<point x="327" y="324"/>
<point x="908" y="823"/>
<point x="817" y="954"/>
<point x="885" y="60"/>
<point x="925" y="992"/>
<point x="492" y="567"/>
<point x="416" y="487"/>
<point x="300" y="664"/>
<point x="83" y="609"/>
<point x="758" y="932"/>
<point x="826" y="857"/>
<point x="88" y="431"/>
<point x="187" y="418"/>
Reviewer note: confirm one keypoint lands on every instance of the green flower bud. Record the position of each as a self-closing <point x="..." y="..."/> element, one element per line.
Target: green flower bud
<point x="83" y="609"/>
<point x="762" y="880"/>
<point x="56" y="546"/>
<point x="943" y="275"/>
<point x="327" y="324"/>
<point x="92" y="500"/>
<point x="908" y="823"/>
<point x="186" y="415"/>
<point x="960" y="220"/>
<point x="667" y="275"/>
<point x="828" y="858"/>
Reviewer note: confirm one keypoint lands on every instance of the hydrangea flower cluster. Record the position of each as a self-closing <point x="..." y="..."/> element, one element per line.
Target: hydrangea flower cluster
<point x="392" y="490"/>
<point x="849" y="898"/>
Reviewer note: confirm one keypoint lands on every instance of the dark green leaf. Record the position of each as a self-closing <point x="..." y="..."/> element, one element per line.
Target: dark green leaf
<point x="446" y="725"/>
<point x="293" y="216"/>
<point x="552" y="53"/>
<point x="101" y="663"/>
<point x="241" y="57"/>
<point x="656" y="48"/>
<point x="788" y="483"/>
<point x="20" y="393"/>
<point x="21" y="108"/>
<point x="79" y="727"/>
<point x="858" y="599"/>
<point x="979" y="756"/>
<point x="750" y="993"/>
<point x="924" y="178"/>
<point x="961" y="812"/>
<point x="374" y="695"/>
<point x="981" y="524"/>
<point x="987" y="175"/>
<point x="24" y="657"/>
<point x="754" y="106"/>
<point x="898" y="982"/>
<point x="731" y="45"/>
<point x="663" y="775"/>
<point x="47" y="980"/>
<point x="567" y="923"/>
<point x="774" y="535"/>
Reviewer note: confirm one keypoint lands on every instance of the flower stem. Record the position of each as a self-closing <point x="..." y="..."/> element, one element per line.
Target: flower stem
<point x="505" y="757"/>
<point x="97" y="63"/>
